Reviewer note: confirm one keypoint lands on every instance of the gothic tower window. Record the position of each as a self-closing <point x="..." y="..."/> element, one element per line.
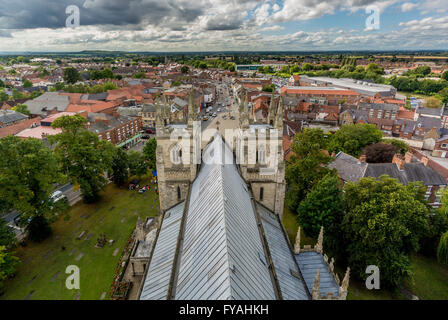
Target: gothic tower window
<point x="179" y="195"/>
<point x="261" y="193"/>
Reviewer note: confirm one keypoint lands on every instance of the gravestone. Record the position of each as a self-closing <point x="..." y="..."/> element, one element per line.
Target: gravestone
<point x="82" y="234"/>
<point x="55" y="276"/>
<point x="79" y="256"/>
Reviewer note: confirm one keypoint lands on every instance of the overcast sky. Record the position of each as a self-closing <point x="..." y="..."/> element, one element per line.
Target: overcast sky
<point x="214" y="25"/>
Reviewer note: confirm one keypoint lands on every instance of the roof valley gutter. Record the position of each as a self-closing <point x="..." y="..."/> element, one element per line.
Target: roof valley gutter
<point x="285" y="234"/>
<point x="171" y="295"/>
<point x="142" y="283"/>
<point x="267" y="252"/>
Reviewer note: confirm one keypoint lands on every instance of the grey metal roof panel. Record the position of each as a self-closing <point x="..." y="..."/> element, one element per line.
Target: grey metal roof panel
<point x="158" y="276"/>
<point x="309" y="262"/>
<point x="291" y="287"/>
<point x="222" y="255"/>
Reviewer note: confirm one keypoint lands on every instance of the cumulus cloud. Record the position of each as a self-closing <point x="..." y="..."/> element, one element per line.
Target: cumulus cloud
<point x="192" y="25"/>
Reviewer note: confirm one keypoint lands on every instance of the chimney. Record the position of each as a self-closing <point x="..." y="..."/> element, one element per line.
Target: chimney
<point x="399" y="161"/>
<point x="408" y="157"/>
<point x="425" y="161"/>
<point x="363" y="158"/>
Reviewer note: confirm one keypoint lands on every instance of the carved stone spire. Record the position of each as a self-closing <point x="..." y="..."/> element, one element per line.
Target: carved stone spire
<point x="319" y="245"/>
<point x="297" y="244"/>
<point x="344" y="285"/>
<point x="316" y="292"/>
<point x="331" y="265"/>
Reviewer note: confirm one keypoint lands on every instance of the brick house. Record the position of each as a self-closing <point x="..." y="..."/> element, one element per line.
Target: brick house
<point x="119" y="130"/>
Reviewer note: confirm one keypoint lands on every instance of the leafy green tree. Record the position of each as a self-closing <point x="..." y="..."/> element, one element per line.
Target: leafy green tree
<point x="323" y="207"/>
<point x="2" y="84"/>
<point x="8" y="264"/>
<point x="400" y="146"/>
<point x="442" y="251"/>
<point x="307" y="165"/>
<point x="109" y="86"/>
<point x="3" y="96"/>
<point x="82" y="155"/>
<point x="185" y="69"/>
<point x="138" y="166"/>
<point x="16" y="94"/>
<point x="150" y="153"/>
<point x="27" y="84"/>
<point x="352" y="139"/>
<point x="383" y="223"/>
<point x="28" y="171"/>
<point x="120" y="167"/>
<point x="71" y="75"/>
<point x="307" y="67"/>
<point x="7" y="235"/>
<point x="445" y="76"/>
<point x="22" y="108"/>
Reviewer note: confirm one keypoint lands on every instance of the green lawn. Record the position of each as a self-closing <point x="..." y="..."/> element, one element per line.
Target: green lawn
<point x="115" y="216"/>
<point x="430" y="281"/>
<point x="291" y="225"/>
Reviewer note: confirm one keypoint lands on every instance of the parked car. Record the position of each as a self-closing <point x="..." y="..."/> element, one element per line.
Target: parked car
<point x="150" y="131"/>
<point x="57" y="196"/>
<point x="204" y="118"/>
<point x="214" y="115"/>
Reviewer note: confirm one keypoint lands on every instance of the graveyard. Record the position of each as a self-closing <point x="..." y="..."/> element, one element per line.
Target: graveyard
<point x="92" y="238"/>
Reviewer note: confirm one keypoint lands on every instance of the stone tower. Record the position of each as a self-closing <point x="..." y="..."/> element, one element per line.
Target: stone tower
<point x="261" y="157"/>
<point x="176" y="155"/>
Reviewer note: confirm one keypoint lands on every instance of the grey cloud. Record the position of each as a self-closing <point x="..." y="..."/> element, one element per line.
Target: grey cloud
<point x="28" y="14"/>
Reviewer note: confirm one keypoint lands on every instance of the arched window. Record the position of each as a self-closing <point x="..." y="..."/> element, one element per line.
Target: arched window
<point x="261" y="193"/>
<point x="179" y="194"/>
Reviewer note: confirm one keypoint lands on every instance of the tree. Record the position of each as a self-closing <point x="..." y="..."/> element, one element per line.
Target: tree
<point x="27" y="84"/>
<point x="28" y="171"/>
<point x="120" y="167"/>
<point x="307" y="67"/>
<point x="383" y="223"/>
<point x="71" y="75"/>
<point x="185" y="69"/>
<point x="400" y="146"/>
<point x="323" y="207"/>
<point x="83" y="157"/>
<point x="8" y="264"/>
<point x="138" y="166"/>
<point x="22" y="108"/>
<point x="3" y="96"/>
<point x="7" y="235"/>
<point x="380" y="153"/>
<point x="352" y="139"/>
<point x="442" y="251"/>
<point x="150" y="153"/>
<point x="445" y="76"/>
<point x="307" y="165"/>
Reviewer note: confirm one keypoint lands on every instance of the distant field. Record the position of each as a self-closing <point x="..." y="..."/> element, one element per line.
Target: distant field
<point x="41" y="274"/>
